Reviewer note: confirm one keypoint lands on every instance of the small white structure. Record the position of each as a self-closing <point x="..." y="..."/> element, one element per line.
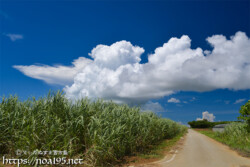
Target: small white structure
<point x="219" y="128"/>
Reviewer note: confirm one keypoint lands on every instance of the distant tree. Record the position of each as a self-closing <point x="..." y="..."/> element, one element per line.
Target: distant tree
<point x="245" y="114"/>
<point x="200" y="124"/>
<point x="206" y="124"/>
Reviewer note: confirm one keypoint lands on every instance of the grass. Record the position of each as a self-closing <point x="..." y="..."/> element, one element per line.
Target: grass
<point x="159" y="150"/>
<point x="235" y="136"/>
<point x="210" y="133"/>
<point x="102" y="133"/>
<point x="156" y="152"/>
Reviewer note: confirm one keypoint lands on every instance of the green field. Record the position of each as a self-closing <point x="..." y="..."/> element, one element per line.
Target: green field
<point x="102" y="133"/>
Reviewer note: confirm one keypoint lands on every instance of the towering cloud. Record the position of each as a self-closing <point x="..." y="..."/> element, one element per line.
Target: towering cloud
<point x="208" y="116"/>
<point x="116" y="72"/>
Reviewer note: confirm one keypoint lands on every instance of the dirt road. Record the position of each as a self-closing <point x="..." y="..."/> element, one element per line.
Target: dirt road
<point x="201" y="151"/>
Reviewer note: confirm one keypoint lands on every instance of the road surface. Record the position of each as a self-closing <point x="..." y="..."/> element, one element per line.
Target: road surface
<point x="199" y="150"/>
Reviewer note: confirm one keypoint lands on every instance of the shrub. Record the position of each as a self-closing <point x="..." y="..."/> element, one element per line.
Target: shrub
<point x="236" y="136"/>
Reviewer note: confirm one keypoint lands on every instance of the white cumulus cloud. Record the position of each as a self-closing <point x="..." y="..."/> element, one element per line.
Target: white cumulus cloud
<point x="61" y="75"/>
<point x="116" y="72"/>
<point x="208" y="116"/>
<point x="173" y="100"/>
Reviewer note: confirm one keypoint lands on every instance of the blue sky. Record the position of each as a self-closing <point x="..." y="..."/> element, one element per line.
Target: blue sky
<point x="54" y="33"/>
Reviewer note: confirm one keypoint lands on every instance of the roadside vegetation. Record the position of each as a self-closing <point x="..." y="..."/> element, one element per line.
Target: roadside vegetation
<point x="245" y="114"/>
<point x="236" y="134"/>
<point x="102" y="133"/>
<point x="157" y="152"/>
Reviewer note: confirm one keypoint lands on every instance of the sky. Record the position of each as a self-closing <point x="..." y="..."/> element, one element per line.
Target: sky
<point x="184" y="60"/>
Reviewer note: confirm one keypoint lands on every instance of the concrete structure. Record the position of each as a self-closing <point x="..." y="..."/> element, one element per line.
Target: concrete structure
<point x="219" y="128"/>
